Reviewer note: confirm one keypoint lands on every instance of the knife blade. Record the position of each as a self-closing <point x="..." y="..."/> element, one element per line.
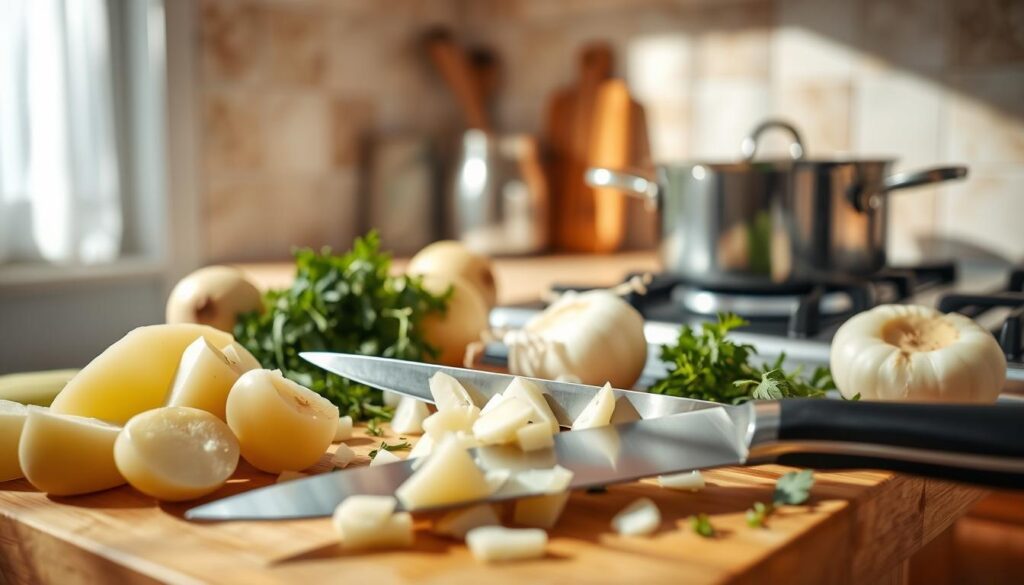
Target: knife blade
<point x="699" y="439"/>
<point x="566" y="399"/>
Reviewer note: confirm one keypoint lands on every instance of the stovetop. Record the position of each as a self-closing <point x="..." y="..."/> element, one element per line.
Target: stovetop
<point x="799" y="319"/>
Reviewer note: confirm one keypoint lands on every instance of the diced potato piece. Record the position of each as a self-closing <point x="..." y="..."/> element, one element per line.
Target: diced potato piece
<point x="451" y="420"/>
<point x="545" y="481"/>
<point x="422" y="447"/>
<point x="497" y="478"/>
<point x="496" y="543"/>
<point x="134" y="374"/>
<point x="529" y="393"/>
<point x="240" y="358"/>
<point x="287" y="475"/>
<point x="448" y="392"/>
<point x="12" y="421"/>
<point x="640" y="518"/>
<point x="65" y="455"/>
<point x="279" y="424"/>
<point x="344" y="430"/>
<point x="540" y="511"/>
<point x="492" y="403"/>
<point x="204" y="379"/>
<point x="447" y="476"/>
<point x="342" y="456"/>
<point x="383" y="457"/>
<point x="598" y="411"/>
<point x="457" y="523"/>
<point x="391" y="398"/>
<point x="176" y="453"/>
<point x="534" y="437"/>
<point x="499" y="426"/>
<point x="38" y="388"/>
<point x="369" y="522"/>
<point x="691" y="481"/>
<point x="409" y="415"/>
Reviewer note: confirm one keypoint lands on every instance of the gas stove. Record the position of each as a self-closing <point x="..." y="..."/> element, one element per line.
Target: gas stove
<point x="799" y="319"/>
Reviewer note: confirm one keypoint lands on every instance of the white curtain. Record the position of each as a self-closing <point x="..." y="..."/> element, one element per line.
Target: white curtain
<point x="60" y="195"/>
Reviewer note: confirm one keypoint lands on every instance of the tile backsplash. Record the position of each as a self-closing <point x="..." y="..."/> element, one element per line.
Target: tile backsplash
<point x="291" y="90"/>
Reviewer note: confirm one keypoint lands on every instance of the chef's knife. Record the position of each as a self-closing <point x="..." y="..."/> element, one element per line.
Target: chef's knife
<point x="969" y="443"/>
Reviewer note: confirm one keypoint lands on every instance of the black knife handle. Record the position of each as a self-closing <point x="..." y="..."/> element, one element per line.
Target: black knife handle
<point x="971" y="443"/>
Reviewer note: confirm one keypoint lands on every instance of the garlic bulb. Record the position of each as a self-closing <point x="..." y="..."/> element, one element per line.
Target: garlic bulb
<point x="910" y="352"/>
<point x="594" y="336"/>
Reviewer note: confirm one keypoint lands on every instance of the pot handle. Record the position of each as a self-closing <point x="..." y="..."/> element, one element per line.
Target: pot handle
<point x="749" y="145"/>
<point x="862" y="201"/>
<point x="925" y="177"/>
<point x="632" y="183"/>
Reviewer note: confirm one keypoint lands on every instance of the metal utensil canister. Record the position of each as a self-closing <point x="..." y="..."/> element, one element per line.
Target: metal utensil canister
<point x="763" y="221"/>
<point x="499" y="195"/>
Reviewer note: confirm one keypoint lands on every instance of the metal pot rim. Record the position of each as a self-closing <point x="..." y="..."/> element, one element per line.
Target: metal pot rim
<point x="771" y="164"/>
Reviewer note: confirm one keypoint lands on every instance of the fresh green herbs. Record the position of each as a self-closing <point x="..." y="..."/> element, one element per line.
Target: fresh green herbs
<point x="373" y="427"/>
<point x="403" y="446"/>
<point x="791" y="489"/>
<point x="348" y="303"/>
<point x="701" y="524"/>
<point x="706" y="365"/>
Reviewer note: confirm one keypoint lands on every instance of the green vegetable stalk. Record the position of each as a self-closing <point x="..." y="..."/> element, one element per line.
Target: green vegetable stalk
<point x="349" y="304"/>
<point x="706" y="365"/>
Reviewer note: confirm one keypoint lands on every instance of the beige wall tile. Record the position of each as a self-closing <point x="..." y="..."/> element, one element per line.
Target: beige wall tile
<point x="981" y="216"/>
<point x="820" y="110"/>
<point x="316" y="212"/>
<point x="815" y="39"/>
<point x="297" y="131"/>
<point x="669" y="129"/>
<point x="988" y="32"/>
<point x="297" y="44"/>
<point x="906" y="34"/>
<point x="733" y="40"/>
<point x="986" y="118"/>
<point x="660" y="67"/>
<point x="900" y="115"/>
<point x="232" y="131"/>
<point x="724" y="112"/>
<point x="232" y="41"/>
<point x="239" y="225"/>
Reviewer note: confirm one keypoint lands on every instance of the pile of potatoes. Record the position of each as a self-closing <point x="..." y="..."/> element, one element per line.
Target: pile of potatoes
<point x="168" y="409"/>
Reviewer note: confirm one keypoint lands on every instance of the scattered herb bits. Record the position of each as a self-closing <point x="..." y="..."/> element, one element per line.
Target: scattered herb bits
<point x="701" y="524"/>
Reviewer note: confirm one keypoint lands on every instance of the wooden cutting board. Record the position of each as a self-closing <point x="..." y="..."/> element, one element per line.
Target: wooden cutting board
<point x="858" y="527"/>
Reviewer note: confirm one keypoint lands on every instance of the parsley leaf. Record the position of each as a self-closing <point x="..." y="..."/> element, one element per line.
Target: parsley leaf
<point x="758" y="514"/>
<point x="404" y="445"/>
<point x="348" y="303"/>
<point x="793" y="488"/>
<point x="701" y="524"/>
<point x="373" y="427"/>
<point x="706" y="365"/>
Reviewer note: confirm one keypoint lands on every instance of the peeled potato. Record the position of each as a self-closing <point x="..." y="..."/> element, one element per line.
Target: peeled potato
<point x="134" y="374"/>
<point x="455" y="259"/>
<point x="447" y="476"/>
<point x="34" y="387"/>
<point x="176" y="453"/>
<point x="461" y="325"/>
<point x="279" y="424"/>
<point x="12" y="420"/>
<point x="65" y="455"/>
<point x="240" y="358"/>
<point x="214" y="296"/>
<point x="204" y="378"/>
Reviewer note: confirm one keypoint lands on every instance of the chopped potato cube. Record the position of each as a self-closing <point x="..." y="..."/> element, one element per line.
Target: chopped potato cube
<point x="691" y="481"/>
<point x="598" y="411"/>
<point x="495" y="543"/>
<point x="447" y="476"/>
<point x="452" y="419"/>
<point x="343" y="432"/>
<point x="448" y="392"/>
<point x="534" y="437"/>
<point x="65" y="455"/>
<point x="529" y="393"/>
<point x="499" y="426"/>
<point x="369" y="522"/>
<point x="640" y="518"/>
<point x="383" y="457"/>
<point x="458" y="522"/>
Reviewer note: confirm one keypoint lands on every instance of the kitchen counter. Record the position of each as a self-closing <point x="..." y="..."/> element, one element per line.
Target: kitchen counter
<point x="858" y="527"/>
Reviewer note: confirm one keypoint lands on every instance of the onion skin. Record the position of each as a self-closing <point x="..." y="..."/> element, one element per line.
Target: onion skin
<point x="450" y="258"/>
<point x="594" y="336"/>
<point x="214" y="296"/>
<point x="957" y="360"/>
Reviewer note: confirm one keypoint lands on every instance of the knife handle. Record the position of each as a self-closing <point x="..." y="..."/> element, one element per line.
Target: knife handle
<point x="971" y="443"/>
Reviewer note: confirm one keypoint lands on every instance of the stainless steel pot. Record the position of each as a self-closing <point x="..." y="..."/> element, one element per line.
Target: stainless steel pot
<point x="758" y="221"/>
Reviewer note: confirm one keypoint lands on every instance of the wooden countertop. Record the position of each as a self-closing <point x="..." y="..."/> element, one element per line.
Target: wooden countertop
<point x="858" y="527"/>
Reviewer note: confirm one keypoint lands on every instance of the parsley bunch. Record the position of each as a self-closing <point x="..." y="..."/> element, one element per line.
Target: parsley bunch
<point x="706" y="365"/>
<point x="348" y="303"/>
